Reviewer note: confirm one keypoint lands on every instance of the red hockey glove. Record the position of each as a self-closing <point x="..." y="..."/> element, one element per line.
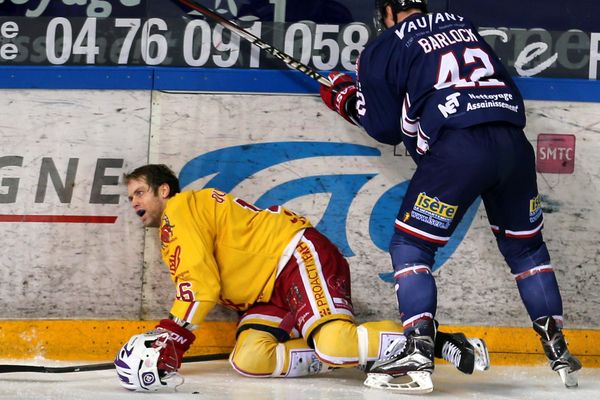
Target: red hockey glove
<point x="339" y="94"/>
<point x="172" y="351"/>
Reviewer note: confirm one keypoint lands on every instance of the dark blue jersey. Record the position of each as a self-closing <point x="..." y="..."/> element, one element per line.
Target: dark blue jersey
<point x="428" y="73"/>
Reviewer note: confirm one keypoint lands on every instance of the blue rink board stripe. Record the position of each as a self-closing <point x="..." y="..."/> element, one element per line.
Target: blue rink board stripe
<point x="237" y="80"/>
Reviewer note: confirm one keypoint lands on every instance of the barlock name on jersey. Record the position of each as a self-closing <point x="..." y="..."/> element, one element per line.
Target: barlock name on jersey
<point x="440" y="40"/>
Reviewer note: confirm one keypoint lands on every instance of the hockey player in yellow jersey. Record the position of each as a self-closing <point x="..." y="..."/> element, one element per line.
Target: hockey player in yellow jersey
<point x="224" y="237"/>
<point x="289" y="283"/>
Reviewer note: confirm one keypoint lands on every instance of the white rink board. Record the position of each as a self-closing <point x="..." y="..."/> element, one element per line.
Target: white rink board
<point x="270" y="146"/>
<point x="70" y="270"/>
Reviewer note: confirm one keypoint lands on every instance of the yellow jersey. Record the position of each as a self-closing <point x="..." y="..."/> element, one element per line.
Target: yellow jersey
<point x="221" y="249"/>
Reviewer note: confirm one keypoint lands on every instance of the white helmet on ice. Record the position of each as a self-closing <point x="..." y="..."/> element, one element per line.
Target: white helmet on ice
<point x="137" y="363"/>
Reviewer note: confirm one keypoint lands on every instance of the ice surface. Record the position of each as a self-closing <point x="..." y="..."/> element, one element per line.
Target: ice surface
<point x="216" y="380"/>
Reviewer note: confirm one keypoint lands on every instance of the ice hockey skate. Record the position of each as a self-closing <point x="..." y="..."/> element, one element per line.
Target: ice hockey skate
<point x="408" y="362"/>
<point x="555" y="347"/>
<point x="467" y="354"/>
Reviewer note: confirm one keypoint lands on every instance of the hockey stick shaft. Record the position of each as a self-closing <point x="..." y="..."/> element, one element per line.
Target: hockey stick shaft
<point x="8" y="368"/>
<point x="255" y="40"/>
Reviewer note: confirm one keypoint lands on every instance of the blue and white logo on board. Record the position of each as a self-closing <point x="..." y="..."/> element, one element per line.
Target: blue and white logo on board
<point x="229" y="167"/>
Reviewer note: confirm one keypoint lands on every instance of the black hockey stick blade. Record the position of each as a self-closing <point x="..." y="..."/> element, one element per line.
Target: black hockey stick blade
<point x="8" y="368"/>
<point x="255" y="40"/>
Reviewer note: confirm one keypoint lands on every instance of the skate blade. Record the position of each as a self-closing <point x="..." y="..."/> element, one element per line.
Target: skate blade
<point x="482" y="357"/>
<point x="420" y="382"/>
<point x="568" y="378"/>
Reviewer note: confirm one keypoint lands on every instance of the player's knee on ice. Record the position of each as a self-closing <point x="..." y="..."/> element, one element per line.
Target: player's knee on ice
<point x="336" y="343"/>
<point x="254" y="353"/>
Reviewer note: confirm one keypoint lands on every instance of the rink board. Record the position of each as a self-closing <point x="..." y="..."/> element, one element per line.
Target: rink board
<point x="101" y="340"/>
<point x="75" y="250"/>
<point x="96" y="339"/>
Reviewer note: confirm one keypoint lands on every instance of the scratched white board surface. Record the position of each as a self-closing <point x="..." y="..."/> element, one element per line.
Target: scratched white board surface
<point x="63" y="155"/>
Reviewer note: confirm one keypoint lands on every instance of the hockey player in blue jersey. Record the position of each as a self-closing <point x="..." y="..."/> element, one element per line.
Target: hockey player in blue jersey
<point x="431" y="82"/>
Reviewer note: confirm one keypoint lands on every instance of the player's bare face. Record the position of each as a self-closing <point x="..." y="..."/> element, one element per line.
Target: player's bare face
<point x="147" y="205"/>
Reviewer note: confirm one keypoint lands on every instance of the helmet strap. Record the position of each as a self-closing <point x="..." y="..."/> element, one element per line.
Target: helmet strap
<point x="172" y="380"/>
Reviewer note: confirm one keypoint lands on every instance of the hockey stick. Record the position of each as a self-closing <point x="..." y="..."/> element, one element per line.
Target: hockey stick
<point x="255" y="40"/>
<point x="8" y="368"/>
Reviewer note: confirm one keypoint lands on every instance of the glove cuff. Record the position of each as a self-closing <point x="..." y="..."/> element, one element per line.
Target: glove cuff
<point x="182" y="337"/>
<point x="345" y="103"/>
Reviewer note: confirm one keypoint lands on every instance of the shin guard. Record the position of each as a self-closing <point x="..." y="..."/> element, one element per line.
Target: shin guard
<point x="415" y="286"/>
<point x="416" y="292"/>
<point x="539" y="291"/>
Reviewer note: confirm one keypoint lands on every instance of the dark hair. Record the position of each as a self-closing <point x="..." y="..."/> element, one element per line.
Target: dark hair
<point x="155" y="175"/>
